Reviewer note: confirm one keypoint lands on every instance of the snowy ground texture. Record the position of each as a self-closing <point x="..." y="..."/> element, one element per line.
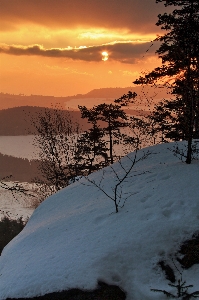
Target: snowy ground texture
<point x="75" y="238"/>
<point x="16" y="204"/>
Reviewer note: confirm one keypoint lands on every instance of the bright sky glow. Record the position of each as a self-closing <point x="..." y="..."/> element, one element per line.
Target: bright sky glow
<point x="127" y="29"/>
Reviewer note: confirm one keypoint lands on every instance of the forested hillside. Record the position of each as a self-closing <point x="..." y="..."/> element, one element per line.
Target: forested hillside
<point x="18" y="120"/>
<point x="20" y="169"/>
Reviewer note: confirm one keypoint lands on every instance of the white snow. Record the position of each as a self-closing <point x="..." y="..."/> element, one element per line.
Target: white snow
<point x="75" y="238"/>
<point x="14" y="203"/>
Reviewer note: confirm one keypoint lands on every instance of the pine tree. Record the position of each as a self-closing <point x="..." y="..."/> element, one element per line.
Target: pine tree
<point x="179" y="52"/>
<point x="89" y="153"/>
<point x="112" y="118"/>
<point x="95" y="133"/>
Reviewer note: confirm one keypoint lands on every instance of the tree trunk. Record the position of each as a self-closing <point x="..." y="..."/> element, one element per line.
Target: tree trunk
<point x="110" y="140"/>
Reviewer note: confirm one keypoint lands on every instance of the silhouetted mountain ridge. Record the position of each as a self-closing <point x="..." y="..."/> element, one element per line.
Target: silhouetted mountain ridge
<point x="109" y="92"/>
<point x="18" y="120"/>
<point x="20" y="169"/>
<point x="10" y="100"/>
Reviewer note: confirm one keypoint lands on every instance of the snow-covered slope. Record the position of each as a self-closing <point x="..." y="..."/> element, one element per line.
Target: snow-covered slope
<point x="75" y="238"/>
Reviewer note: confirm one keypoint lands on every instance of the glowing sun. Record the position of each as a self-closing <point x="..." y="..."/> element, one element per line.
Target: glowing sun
<point x="104" y="55"/>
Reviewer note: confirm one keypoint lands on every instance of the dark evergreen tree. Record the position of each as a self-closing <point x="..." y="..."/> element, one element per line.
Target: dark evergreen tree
<point x="89" y="153"/>
<point x="95" y="134"/>
<point x="112" y="118"/>
<point x="126" y="99"/>
<point x="179" y="51"/>
<point x="169" y="119"/>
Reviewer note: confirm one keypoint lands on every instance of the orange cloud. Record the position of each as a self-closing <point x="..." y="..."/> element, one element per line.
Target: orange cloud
<point x="125" y="52"/>
<point x="55" y="46"/>
<point x="135" y="15"/>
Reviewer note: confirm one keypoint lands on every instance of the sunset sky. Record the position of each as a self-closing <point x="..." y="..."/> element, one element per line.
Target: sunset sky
<point x="66" y="47"/>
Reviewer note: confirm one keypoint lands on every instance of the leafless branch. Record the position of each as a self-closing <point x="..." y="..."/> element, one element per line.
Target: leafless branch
<point x="14" y="187"/>
<point x="117" y="189"/>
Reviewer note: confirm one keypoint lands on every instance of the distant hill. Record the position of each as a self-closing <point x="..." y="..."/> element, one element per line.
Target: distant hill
<point x="18" y="120"/>
<point x="109" y="92"/>
<point x="9" y="101"/>
<point x="16" y="111"/>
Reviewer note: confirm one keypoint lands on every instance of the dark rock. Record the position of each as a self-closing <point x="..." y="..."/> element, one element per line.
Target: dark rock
<point x="103" y="292"/>
<point x="169" y="273"/>
<point x="190" y="250"/>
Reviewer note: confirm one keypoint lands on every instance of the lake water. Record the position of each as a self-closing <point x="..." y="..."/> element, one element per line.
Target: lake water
<point x="19" y="146"/>
<point x="22" y="147"/>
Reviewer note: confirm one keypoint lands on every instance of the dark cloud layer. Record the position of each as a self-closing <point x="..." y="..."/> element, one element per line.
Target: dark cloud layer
<point x="123" y="52"/>
<point x="134" y="15"/>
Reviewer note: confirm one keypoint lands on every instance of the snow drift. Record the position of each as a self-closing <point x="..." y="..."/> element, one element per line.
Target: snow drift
<point x="75" y="238"/>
